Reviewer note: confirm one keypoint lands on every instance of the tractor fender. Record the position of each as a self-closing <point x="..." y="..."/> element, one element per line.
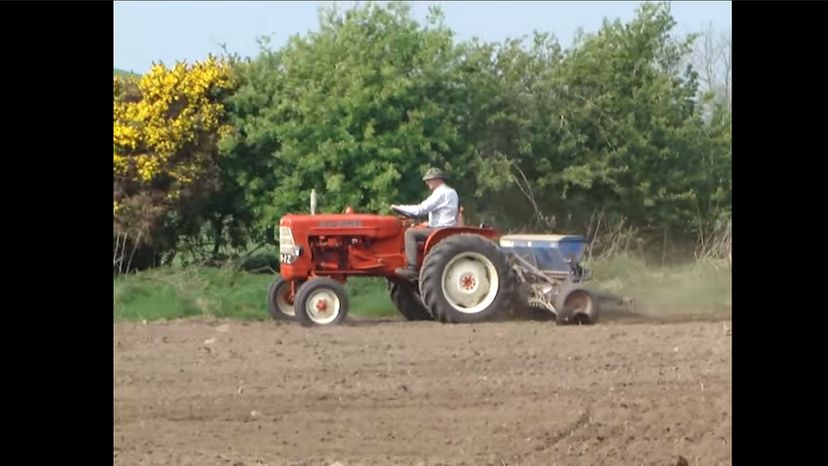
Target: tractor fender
<point x="443" y="233"/>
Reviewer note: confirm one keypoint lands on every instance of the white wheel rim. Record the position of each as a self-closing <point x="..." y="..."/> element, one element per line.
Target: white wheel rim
<point x="470" y="282"/>
<point x="323" y="306"/>
<point x="282" y="303"/>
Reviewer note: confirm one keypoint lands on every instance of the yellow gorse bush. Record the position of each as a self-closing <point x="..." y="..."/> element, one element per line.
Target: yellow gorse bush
<point x="160" y="118"/>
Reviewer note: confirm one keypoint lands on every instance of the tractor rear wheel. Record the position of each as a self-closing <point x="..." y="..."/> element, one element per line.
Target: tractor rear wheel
<point x="321" y="301"/>
<point x="408" y="302"/>
<point x="466" y="279"/>
<point x="279" y="304"/>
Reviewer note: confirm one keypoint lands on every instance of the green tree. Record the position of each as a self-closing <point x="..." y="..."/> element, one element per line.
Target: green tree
<point x="352" y="110"/>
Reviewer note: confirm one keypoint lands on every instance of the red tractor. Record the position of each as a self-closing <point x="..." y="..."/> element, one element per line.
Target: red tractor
<point x="464" y="276"/>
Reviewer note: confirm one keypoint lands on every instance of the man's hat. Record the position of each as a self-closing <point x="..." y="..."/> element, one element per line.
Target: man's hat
<point x="434" y="173"/>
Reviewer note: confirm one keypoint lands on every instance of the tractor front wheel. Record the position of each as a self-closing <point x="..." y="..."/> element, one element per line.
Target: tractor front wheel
<point x="279" y="302"/>
<point x="321" y="301"/>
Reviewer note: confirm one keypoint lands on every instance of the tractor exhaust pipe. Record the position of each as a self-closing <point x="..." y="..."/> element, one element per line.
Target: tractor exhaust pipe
<point x="313" y="202"/>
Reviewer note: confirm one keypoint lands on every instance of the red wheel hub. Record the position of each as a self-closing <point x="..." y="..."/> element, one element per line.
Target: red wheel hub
<point x="468" y="281"/>
<point x="322" y="305"/>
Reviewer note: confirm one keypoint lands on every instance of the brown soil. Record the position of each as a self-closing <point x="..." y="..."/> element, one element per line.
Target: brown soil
<point x="423" y="393"/>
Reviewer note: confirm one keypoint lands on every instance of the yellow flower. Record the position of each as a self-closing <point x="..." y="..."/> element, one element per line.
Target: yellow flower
<point x="176" y="108"/>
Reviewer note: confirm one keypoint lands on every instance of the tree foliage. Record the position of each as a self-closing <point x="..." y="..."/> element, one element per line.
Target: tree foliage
<point x="165" y="133"/>
<point x="535" y="136"/>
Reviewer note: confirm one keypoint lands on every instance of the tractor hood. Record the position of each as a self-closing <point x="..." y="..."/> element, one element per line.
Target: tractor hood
<point x="547" y="252"/>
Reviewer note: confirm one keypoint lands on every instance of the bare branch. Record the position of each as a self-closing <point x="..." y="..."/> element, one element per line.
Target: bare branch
<point x="134" y="248"/>
<point x="526" y="188"/>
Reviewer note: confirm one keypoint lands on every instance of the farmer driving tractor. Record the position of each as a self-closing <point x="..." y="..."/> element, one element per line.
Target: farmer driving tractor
<point x="441" y="207"/>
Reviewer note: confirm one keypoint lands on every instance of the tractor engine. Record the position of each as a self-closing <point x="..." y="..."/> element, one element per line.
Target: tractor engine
<point x="339" y="244"/>
<point x="339" y="252"/>
<point x="329" y="253"/>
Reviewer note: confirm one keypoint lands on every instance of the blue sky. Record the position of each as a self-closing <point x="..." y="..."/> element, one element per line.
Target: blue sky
<point x="170" y="31"/>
